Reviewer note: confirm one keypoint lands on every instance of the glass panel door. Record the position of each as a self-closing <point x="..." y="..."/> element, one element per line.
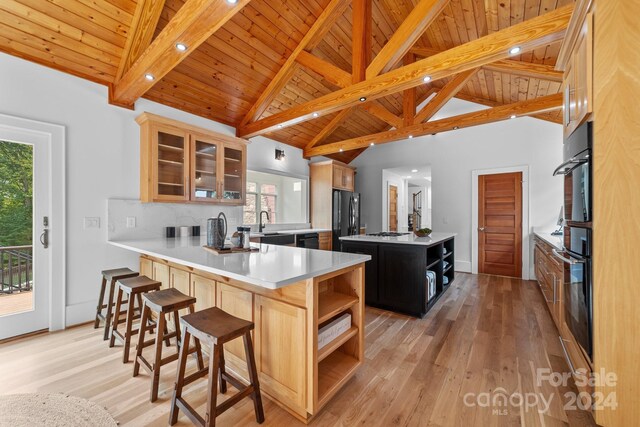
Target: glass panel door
<point x="16" y="228"/>
<point x="204" y="174"/>
<point x="233" y="180"/>
<point x="171" y="166"/>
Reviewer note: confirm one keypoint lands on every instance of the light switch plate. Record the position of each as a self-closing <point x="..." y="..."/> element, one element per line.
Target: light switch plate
<point x="131" y="222"/>
<point x="91" y="222"/>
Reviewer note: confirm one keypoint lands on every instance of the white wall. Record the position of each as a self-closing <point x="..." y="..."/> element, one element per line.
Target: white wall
<point x="102" y="162"/>
<point x="453" y="156"/>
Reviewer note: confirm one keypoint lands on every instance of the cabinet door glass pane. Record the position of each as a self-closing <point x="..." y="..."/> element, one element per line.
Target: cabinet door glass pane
<point x="205" y="170"/>
<point x="232" y="174"/>
<point x="171" y="155"/>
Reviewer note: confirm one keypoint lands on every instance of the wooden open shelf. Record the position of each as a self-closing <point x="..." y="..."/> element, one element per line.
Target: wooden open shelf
<point x="332" y="303"/>
<point x="325" y="351"/>
<point x="333" y="372"/>
<point x="432" y="263"/>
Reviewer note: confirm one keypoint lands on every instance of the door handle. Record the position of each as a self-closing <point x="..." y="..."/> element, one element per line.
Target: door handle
<point x="567" y="260"/>
<point x="44" y="237"/>
<point x="481" y="229"/>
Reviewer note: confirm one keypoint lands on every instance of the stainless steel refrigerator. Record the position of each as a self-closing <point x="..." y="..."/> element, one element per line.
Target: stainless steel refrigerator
<point x="346" y="215"/>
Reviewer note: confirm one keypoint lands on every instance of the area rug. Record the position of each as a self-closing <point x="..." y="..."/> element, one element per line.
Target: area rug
<point x="51" y="410"/>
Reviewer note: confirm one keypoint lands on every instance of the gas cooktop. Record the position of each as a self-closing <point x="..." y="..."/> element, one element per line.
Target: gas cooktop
<point x="387" y="234"/>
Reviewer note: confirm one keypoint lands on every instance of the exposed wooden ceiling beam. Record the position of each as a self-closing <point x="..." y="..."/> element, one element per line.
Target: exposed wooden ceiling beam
<point x="494" y="103"/>
<point x="377" y="110"/>
<point x="342" y="79"/>
<point x="194" y="23"/>
<point x="361" y="36"/>
<point x="143" y="25"/>
<point x="443" y="96"/>
<point x="411" y="29"/>
<point x="329" y="128"/>
<point x="318" y="30"/>
<point x="510" y="66"/>
<point x="409" y="96"/>
<point x="503" y="112"/>
<point x="528" y="35"/>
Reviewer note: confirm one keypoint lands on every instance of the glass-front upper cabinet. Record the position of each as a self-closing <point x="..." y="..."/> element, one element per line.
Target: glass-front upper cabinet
<point x="171" y="166"/>
<point x="184" y="163"/>
<point x="233" y="173"/>
<point x="204" y="175"/>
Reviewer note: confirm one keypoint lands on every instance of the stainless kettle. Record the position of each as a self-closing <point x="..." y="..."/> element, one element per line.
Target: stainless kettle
<point x="217" y="231"/>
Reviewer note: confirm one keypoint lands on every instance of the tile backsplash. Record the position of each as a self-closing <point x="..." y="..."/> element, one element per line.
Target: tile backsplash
<point x="152" y="218"/>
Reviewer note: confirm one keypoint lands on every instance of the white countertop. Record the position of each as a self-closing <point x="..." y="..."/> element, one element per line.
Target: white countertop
<point x="409" y="239"/>
<point x="298" y="231"/>
<point x="555" y="241"/>
<point x="271" y="267"/>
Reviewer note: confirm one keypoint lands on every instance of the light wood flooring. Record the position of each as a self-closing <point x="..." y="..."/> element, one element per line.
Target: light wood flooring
<point x="16" y="303"/>
<point x="485" y="333"/>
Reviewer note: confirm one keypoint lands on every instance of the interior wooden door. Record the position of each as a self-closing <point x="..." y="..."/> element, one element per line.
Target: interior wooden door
<point x="393" y="208"/>
<point x="500" y="224"/>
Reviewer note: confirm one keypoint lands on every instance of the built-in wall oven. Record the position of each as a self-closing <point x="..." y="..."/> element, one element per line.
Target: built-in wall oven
<point x="577" y="255"/>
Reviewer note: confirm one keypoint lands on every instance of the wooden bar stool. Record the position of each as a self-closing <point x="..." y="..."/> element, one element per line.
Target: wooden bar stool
<point x="111" y="277"/>
<point x="162" y="303"/>
<point x="133" y="287"/>
<point x="215" y="327"/>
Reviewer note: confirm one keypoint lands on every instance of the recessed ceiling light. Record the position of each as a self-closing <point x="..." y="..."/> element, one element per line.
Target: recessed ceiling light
<point x="372" y="144"/>
<point x="341" y="150"/>
<point x="513" y="116"/>
<point x="409" y="177"/>
<point x="149" y="77"/>
<point x="414" y="170"/>
<point x="315" y="114"/>
<point x="455" y="128"/>
<point x="410" y="136"/>
<point x="363" y="98"/>
<point x="232" y="1"/>
<point x="426" y="79"/>
<point x="515" y="50"/>
<point x="181" y="47"/>
<point x="279" y="126"/>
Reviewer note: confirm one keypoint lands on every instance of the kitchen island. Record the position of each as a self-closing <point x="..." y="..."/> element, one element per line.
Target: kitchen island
<point x="289" y="293"/>
<point x="407" y="274"/>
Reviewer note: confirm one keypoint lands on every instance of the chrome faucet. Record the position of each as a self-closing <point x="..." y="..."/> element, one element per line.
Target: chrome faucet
<point x="263" y="225"/>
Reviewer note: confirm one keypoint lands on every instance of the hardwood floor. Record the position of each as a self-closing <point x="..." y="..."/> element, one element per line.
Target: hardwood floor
<point x="486" y="335"/>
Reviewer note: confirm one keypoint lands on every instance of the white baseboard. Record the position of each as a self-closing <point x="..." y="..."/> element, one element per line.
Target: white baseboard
<point x="80" y="313"/>
<point x="463" y="266"/>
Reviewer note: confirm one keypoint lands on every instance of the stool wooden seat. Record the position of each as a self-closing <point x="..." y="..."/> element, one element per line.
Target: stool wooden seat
<point x="111" y="277"/>
<point x="214" y="327"/>
<point x="133" y="287"/>
<point x="162" y="303"/>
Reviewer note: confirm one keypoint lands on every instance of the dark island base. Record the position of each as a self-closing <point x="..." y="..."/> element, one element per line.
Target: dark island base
<point x="396" y="276"/>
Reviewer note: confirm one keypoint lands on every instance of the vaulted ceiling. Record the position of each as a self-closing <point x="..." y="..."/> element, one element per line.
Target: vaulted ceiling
<point x="225" y="76"/>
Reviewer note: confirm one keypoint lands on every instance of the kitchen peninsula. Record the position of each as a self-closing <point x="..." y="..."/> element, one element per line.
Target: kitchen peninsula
<point x="289" y="293"/>
<point x="406" y="273"/>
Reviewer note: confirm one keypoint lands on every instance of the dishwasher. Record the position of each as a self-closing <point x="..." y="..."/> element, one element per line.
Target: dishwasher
<point x="307" y="240"/>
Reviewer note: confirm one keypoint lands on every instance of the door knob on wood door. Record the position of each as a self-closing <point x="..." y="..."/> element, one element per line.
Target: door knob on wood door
<point x="481" y="229"/>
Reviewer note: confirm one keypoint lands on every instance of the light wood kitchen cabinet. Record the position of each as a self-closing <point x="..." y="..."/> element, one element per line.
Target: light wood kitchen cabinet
<point x="550" y="274"/>
<point x="343" y="177"/>
<point x="161" y="274"/>
<point x="146" y="267"/>
<point x="281" y="365"/>
<point x="188" y="164"/>
<point x="576" y="60"/>
<point x="237" y="302"/>
<point x="324" y="178"/>
<point x="324" y="241"/>
<point x="204" y="290"/>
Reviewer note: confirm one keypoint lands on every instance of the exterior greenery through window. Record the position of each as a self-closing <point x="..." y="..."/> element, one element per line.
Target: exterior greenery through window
<point x="262" y="197"/>
<point x="16" y="193"/>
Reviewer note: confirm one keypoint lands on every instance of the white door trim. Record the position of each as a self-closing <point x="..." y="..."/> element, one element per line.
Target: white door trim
<point x="55" y="136"/>
<point x="525" y="215"/>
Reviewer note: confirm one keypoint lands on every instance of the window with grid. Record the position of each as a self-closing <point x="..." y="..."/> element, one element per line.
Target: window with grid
<point x="263" y="197"/>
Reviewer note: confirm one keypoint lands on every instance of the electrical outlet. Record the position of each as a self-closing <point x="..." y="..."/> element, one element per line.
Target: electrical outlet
<point x="91" y="222"/>
<point x="131" y="222"/>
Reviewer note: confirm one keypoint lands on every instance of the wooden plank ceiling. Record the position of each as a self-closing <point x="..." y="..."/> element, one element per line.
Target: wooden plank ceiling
<point x="223" y="77"/>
